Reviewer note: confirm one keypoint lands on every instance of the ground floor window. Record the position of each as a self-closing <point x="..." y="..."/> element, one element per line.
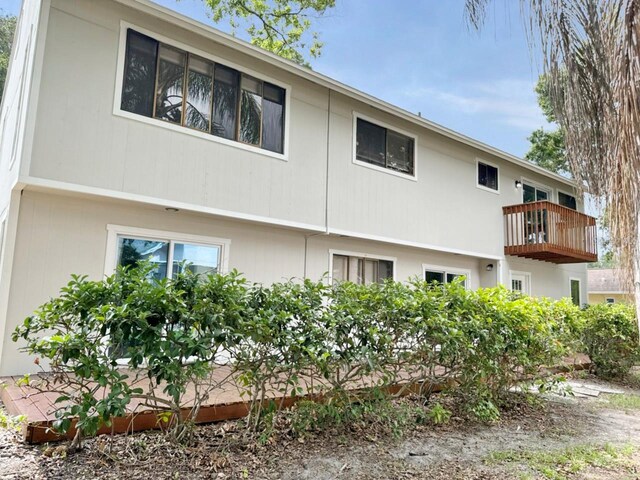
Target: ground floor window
<point x="575" y="291"/>
<point x="360" y="269"/>
<point x="437" y="274"/>
<point x="521" y="282"/>
<point x="169" y="252"/>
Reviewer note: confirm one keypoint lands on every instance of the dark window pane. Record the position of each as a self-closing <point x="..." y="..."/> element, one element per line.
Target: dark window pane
<point x="371" y="143"/>
<point x="528" y="193"/>
<point x="575" y="292"/>
<point x="199" y="94"/>
<point x="385" y="270"/>
<point x="568" y="201"/>
<point x="434" y="276"/>
<point x="170" y="84"/>
<point x="273" y="118"/>
<point x="399" y="152"/>
<point x="542" y="195"/>
<point x="487" y="176"/>
<point x="131" y="251"/>
<point x="225" y="102"/>
<point x="139" y="74"/>
<point x="250" y="110"/>
<point x="452" y="276"/>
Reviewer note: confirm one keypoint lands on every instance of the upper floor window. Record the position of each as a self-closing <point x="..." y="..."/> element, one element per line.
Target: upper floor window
<point x="170" y="84"/>
<point x="385" y="148"/>
<point x="361" y="270"/>
<point x="487" y="176"/>
<point x="567" y="200"/>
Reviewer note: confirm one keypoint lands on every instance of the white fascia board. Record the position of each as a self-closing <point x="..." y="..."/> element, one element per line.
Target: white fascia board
<point x="168" y="15"/>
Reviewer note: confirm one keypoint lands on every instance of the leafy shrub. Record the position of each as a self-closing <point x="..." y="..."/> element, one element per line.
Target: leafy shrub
<point x="169" y="333"/>
<point x="350" y="345"/>
<point x="439" y="414"/>
<point x="611" y="338"/>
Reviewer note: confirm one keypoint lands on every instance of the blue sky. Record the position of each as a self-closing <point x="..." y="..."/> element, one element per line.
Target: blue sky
<point x="421" y="56"/>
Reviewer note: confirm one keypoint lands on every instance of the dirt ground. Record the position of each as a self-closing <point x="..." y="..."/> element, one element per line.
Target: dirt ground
<point x="563" y="438"/>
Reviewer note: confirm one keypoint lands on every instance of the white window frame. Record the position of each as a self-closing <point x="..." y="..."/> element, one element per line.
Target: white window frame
<point x="426" y="267"/>
<point x="115" y="231"/>
<point x="538" y="186"/>
<point x="527" y="275"/>
<point x="186" y="130"/>
<point x="579" y="280"/>
<point x="354" y="159"/>
<point x="477" y="175"/>
<point x="348" y="253"/>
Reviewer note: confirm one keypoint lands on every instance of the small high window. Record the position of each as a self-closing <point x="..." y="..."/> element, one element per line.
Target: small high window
<point x="361" y="270"/>
<point x="384" y="148"/>
<point x="444" y="275"/>
<point x="176" y="86"/>
<point x="567" y="200"/>
<point x="488" y="176"/>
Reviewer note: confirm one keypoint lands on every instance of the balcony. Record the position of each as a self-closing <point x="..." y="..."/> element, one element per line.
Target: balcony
<point x="549" y="232"/>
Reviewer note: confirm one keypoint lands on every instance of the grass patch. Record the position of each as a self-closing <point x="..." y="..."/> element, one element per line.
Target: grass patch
<point x="622" y="401"/>
<point x="566" y="463"/>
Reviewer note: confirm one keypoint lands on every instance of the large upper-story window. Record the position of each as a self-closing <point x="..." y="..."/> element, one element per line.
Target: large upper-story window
<point x="384" y="148"/>
<point x="170" y="84"/>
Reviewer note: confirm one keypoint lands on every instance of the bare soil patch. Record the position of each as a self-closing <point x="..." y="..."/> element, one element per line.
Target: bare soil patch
<point x="457" y="450"/>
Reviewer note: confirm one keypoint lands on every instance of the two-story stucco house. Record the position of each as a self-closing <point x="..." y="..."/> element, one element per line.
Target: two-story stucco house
<point x="129" y="131"/>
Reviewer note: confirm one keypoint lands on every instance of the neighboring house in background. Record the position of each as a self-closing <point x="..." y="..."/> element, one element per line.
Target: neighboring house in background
<point x="130" y="131"/>
<point x="605" y="286"/>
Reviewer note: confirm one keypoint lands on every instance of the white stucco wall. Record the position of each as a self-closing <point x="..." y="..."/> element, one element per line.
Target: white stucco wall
<point x="443" y="208"/>
<point x="60" y="234"/>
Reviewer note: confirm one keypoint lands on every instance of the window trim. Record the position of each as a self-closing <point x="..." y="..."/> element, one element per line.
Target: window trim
<point x="354" y="140"/>
<point x="115" y="231"/>
<point x="426" y="267"/>
<point x="348" y="253"/>
<point x="117" y="110"/>
<point x="482" y="187"/>
<point x="527" y="275"/>
<point x="579" y="280"/>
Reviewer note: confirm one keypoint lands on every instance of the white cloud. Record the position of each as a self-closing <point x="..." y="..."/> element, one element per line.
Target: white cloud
<point x="509" y="101"/>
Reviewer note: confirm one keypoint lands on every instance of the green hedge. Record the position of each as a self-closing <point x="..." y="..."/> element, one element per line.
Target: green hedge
<point x="611" y="338"/>
<point x="287" y="338"/>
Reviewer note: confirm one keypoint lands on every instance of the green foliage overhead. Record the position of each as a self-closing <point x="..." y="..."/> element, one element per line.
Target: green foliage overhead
<point x="7" y="29"/>
<point x="280" y="26"/>
<point x="547" y="147"/>
<point x="548" y="151"/>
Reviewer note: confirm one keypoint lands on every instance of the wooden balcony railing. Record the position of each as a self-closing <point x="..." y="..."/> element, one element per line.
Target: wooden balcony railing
<point x="549" y="232"/>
